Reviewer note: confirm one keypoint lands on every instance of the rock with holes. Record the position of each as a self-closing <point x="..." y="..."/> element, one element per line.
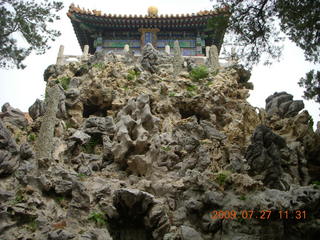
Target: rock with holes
<point x="133" y="219"/>
<point x="158" y="221"/>
<point x="96" y="234"/>
<point x="13" y="116"/>
<point x="99" y="125"/>
<point x="283" y="104"/>
<point x="132" y="203"/>
<point x="60" y="234"/>
<point x="53" y="71"/>
<point x="134" y="124"/>
<point x="139" y="164"/>
<point x="88" y="163"/>
<point x="80" y="137"/>
<point x="9" y="152"/>
<point x="189" y="233"/>
<point x="80" y="198"/>
<point x="37" y="109"/>
<point x="74" y="106"/>
<point x="150" y="57"/>
<point x="264" y="157"/>
<point x="26" y="151"/>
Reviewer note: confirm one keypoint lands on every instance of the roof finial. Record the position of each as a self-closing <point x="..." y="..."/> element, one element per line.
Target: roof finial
<point x="152" y="11"/>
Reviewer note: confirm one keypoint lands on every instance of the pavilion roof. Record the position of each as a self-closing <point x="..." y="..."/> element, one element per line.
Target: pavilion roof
<point x="88" y="22"/>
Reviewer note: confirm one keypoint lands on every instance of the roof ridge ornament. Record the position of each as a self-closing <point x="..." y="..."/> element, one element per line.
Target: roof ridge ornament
<point x="152" y="11"/>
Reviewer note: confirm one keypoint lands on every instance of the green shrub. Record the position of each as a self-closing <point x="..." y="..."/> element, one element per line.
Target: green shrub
<point x="32" y="226"/>
<point x="166" y="148"/>
<point x="64" y="81"/>
<point x="223" y="177"/>
<point x="98" y="218"/>
<point x="130" y="77"/>
<point x="132" y="74"/>
<point x="172" y="94"/>
<point x="199" y="72"/>
<point x="32" y="137"/>
<point x="19" y="198"/>
<point x="242" y="197"/>
<point x="99" y="65"/>
<point x="316" y="184"/>
<point x="191" y="88"/>
<point x="81" y="176"/>
<point x="90" y="146"/>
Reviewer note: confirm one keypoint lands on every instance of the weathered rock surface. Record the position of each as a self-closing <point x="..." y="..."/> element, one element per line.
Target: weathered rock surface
<point x="264" y="156"/>
<point x="9" y="153"/>
<point x="13" y="116"/>
<point x="133" y="149"/>
<point x="37" y="109"/>
<point x="283" y="104"/>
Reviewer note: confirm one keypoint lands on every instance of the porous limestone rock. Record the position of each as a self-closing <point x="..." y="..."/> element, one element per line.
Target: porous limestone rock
<point x="9" y="154"/>
<point x="150" y="57"/>
<point x="153" y="155"/>
<point x="37" y="109"/>
<point x="264" y="157"/>
<point x="283" y="104"/>
<point x="134" y="123"/>
<point x="13" y="116"/>
<point x="213" y="59"/>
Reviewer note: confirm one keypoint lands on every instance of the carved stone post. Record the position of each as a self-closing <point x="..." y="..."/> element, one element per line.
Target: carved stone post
<point x="213" y="59"/>
<point x="126" y="48"/>
<point x="167" y="49"/>
<point x="85" y="53"/>
<point x="60" y="58"/>
<point x="44" y="144"/>
<point x="177" y="58"/>
<point x="207" y="51"/>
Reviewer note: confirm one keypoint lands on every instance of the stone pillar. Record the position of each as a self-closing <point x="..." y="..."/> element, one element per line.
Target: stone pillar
<point x="213" y="59"/>
<point x="45" y="140"/>
<point x="207" y="51"/>
<point x="126" y="48"/>
<point x="60" y="58"/>
<point x="167" y="49"/>
<point x="85" y="53"/>
<point x="176" y="49"/>
<point x="177" y="58"/>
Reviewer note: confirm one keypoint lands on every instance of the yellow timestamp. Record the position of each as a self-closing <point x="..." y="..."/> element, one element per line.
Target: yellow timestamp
<point x="258" y="214"/>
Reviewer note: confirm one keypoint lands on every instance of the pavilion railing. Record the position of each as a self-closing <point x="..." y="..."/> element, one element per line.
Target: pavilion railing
<point x="64" y="59"/>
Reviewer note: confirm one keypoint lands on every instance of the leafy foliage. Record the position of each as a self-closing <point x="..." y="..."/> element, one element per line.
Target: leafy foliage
<point x="132" y="74"/>
<point x="64" y="81"/>
<point x="191" y="88"/>
<point x="89" y="147"/>
<point x="32" y="137"/>
<point x="98" y="218"/>
<point x="28" y="20"/>
<point x="99" y="65"/>
<point x="199" y="72"/>
<point x="255" y="26"/>
<point x="300" y="21"/>
<point x="312" y="85"/>
<point x="223" y="177"/>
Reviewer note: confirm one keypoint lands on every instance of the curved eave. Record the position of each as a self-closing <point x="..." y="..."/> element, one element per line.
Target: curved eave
<point x="110" y="23"/>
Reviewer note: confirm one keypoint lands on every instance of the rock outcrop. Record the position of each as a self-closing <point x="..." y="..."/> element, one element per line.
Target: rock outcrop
<point x="283" y="104"/>
<point x="13" y="116"/>
<point x="133" y="148"/>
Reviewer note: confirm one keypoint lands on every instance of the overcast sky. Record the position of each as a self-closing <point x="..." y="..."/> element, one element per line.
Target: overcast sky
<point x="21" y="87"/>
